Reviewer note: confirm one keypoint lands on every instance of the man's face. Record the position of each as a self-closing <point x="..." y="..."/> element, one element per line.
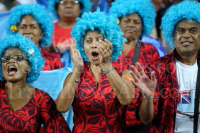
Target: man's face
<point x="186" y="38"/>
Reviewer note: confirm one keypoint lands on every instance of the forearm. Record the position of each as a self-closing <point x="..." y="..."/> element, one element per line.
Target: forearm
<point x="66" y="96"/>
<point x="146" y="111"/>
<point x="123" y="91"/>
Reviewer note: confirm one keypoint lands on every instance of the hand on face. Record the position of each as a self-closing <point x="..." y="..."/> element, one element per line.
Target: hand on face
<point x="146" y="85"/>
<point x="76" y="57"/>
<point x="105" y="48"/>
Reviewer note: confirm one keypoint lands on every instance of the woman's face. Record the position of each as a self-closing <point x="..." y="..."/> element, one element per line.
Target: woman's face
<point x="29" y="27"/>
<point x="91" y="46"/>
<point x="131" y="25"/>
<point x="14" y="65"/>
<point x="69" y="9"/>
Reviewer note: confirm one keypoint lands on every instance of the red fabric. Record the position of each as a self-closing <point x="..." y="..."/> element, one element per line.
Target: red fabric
<point x="53" y="60"/>
<point x="41" y="109"/>
<point x="61" y="34"/>
<point x="96" y="107"/>
<point x="166" y="96"/>
<point x="147" y="53"/>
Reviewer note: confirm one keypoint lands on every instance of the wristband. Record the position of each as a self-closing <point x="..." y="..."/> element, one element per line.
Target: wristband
<point x="109" y="70"/>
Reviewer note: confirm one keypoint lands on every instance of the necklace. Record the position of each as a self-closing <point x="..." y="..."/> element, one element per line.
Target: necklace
<point x="11" y="100"/>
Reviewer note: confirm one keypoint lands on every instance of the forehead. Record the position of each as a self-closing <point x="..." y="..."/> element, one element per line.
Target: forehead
<point x="187" y="24"/>
<point x="132" y="16"/>
<point x="93" y="34"/>
<point x="28" y="19"/>
<point x="13" y="50"/>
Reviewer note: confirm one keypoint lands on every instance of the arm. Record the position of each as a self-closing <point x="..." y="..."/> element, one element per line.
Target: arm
<point x="66" y="97"/>
<point x="53" y="120"/>
<point x="147" y="87"/>
<point x="123" y="88"/>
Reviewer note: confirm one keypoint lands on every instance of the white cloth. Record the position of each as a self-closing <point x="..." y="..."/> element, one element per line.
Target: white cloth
<point x="187" y="78"/>
<point x="21" y="2"/>
<point x="2" y="6"/>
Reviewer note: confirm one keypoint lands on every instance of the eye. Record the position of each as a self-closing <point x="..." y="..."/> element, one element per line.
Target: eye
<point x="137" y="22"/>
<point x="100" y="39"/>
<point x="18" y="58"/>
<point x="193" y="30"/>
<point x="88" y="41"/>
<point x="126" y="21"/>
<point x="5" y="59"/>
<point x="180" y="31"/>
<point x="22" y="27"/>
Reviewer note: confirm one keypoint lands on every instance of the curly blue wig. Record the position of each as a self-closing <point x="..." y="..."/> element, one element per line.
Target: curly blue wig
<point x="87" y="5"/>
<point x="107" y="25"/>
<point x="40" y="14"/>
<point x="144" y="8"/>
<point x="189" y="10"/>
<point x="32" y="52"/>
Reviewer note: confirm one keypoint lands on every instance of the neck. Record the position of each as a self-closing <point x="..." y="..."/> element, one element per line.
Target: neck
<point x="131" y="43"/>
<point x="96" y="70"/>
<point x="15" y="89"/>
<point x="69" y="23"/>
<point x="186" y="59"/>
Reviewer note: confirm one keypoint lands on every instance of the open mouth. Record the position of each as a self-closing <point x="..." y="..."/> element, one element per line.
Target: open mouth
<point x="12" y="70"/>
<point x="186" y="43"/>
<point x="95" y="55"/>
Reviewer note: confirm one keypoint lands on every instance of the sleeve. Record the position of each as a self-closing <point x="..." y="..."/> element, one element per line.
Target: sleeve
<point x="53" y="120"/>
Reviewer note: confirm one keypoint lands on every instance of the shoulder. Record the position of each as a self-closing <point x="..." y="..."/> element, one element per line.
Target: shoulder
<point x="46" y="53"/>
<point x="149" y="47"/>
<point x="41" y="96"/>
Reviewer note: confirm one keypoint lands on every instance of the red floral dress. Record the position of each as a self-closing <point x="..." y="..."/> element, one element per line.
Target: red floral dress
<point x="41" y="109"/>
<point x="96" y="106"/>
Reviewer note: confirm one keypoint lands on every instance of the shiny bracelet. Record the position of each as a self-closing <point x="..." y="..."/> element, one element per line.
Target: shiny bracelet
<point x="109" y="70"/>
<point x="77" y="80"/>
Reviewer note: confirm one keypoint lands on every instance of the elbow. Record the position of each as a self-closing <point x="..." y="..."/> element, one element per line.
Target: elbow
<point x="146" y="120"/>
<point x="126" y="102"/>
<point x="62" y="108"/>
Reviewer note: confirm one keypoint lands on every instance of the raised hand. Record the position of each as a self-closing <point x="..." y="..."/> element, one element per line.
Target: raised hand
<point x="76" y="57"/>
<point x="105" y="48"/>
<point x="146" y="85"/>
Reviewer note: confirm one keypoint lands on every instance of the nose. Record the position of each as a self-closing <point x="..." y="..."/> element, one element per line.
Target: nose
<point x="11" y="60"/>
<point x="94" y="45"/>
<point x="187" y="34"/>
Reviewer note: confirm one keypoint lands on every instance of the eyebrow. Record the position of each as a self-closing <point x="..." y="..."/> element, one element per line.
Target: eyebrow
<point x="91" y="38"/>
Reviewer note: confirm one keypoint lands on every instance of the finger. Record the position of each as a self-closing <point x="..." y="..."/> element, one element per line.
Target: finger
<point x="140" y="69"/>
<point x="100" y="44"/>
<point x="153" y="77"/>
<point x="136" y="72"/>
<point x="134" y="76"/>
<point x="109" y="43"/>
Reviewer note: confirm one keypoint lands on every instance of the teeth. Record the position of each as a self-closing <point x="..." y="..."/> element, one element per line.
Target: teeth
<point x="12" y="67"/>
<point x="186" y="42"/>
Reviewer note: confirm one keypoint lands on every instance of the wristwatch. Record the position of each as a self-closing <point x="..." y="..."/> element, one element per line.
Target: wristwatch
<point x="109" y="70"/>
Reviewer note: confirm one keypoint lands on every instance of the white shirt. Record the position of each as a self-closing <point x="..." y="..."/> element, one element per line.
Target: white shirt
<point x="21" y="2"/>
<point x="187" y="77"/>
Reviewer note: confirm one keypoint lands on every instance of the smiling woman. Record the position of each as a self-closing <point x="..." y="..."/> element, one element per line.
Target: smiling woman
<point x="34" y="22"/>
<point x="24" y="108"/>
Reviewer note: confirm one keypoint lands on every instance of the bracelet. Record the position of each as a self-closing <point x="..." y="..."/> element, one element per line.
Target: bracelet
<point x="109" y="70"/>
<point x="77" y="80"/>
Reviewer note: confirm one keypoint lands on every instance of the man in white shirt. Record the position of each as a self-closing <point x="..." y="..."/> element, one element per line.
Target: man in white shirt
<point x="170" y="105"/>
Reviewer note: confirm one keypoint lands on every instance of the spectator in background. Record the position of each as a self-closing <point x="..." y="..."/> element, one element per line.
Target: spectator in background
<point x="32" y="20"/>
<point x="66" y="11"/>
<point x="136" y="21"/>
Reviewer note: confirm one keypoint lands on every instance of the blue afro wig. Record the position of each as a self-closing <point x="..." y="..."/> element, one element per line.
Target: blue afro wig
<point x="107" y="25"/>
<point x="40" y="14"/>
<point x="144" y="8"/>
<point x="30" y="49"/>
<point x="189" y="10"/>
<point x="87" y="5"/>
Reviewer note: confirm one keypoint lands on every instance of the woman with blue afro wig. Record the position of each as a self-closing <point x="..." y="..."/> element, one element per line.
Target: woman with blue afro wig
<point x="31" y="20"/>
<point x="66" y="11"/>
<point x="99" y="104"/>
<point x="136" y="19"/>
<point x="21" y="66"/>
